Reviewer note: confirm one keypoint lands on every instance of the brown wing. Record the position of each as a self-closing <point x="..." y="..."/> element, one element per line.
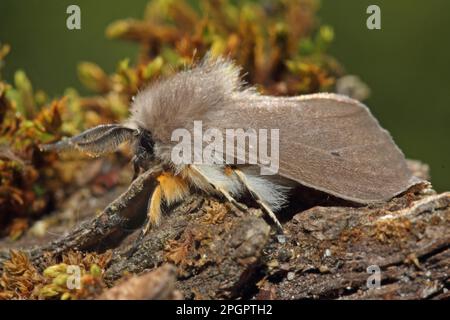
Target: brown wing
<point x="327" y="142"/>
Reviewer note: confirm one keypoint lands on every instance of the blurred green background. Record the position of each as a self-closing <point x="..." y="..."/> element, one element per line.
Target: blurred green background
<point x="406" y="63"/>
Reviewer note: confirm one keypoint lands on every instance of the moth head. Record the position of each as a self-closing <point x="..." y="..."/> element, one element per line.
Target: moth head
<point x="163" y="107"/>
<point x="143" y="143"/>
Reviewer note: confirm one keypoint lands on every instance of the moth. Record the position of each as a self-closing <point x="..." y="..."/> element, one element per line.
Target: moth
<point x="327" y="142"/>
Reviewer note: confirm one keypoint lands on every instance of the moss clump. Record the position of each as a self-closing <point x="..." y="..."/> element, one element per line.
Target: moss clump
<point x="393" y="230"/>
<point x="75" y="276"/>
<point x="27" y="119"/>
<point x="279" y="44"/>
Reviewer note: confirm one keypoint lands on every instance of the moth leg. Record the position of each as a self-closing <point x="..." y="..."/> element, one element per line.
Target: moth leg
<point x="153" y="209"/>
<point x="220" y="190"/>
<point x="153" y="218"/>
<point x="243" y="179"/>
<point x="171" y="188"/>
<point x="230" y="199"/>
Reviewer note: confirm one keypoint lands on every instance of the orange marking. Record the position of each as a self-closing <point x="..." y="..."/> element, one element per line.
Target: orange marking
<point x="173" y="188"/>
<point x="154" y="212"/>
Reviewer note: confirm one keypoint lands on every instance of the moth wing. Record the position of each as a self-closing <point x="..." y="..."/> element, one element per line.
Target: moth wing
<point x="327" y="142"/>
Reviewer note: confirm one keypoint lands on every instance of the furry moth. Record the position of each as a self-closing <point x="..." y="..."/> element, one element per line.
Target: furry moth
<point x="327" y="142"/>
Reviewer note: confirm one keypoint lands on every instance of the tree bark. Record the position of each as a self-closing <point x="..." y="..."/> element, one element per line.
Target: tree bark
<point x="222" y="252"/>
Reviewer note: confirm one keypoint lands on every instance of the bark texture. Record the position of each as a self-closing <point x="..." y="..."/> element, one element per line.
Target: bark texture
<point x="205" y="249"/>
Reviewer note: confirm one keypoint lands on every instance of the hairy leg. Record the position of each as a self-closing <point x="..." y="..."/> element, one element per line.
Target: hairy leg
<point x="171" y="188"/>
<point x="243" y="179"/>
<point x="217" y="188"/>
